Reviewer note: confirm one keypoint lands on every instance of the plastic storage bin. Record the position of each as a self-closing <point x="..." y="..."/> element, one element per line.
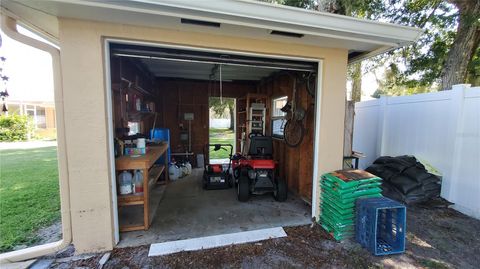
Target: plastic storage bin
<point x="381" y="225"/>
<point x="161" y="134"/>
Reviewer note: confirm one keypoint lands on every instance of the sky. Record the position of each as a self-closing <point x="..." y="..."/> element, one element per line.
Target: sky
<point x="369" y="86"/>
<point x="29" y="70"/>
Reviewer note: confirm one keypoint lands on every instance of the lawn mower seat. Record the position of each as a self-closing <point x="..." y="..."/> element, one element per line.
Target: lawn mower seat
<point x="261" y="147"/>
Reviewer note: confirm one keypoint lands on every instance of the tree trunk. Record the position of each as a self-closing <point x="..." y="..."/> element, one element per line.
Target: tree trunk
<point x="231" y="110"/>
<point x="348" y="128"/>
<point x="454" y="69"/>
<point x="356" y="82"/>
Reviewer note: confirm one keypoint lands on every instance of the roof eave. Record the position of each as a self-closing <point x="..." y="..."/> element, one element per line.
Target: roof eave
<point x="268" y="16"/>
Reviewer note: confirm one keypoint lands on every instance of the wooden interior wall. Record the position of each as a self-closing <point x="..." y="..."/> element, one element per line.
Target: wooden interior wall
<point x="174" y="97"/>
<point x="296" y="164"/>
<point x="142" y="85"/>
<point x="179" y="96"/>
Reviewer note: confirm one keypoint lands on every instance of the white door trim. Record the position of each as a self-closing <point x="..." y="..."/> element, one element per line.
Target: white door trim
<point x="316" y="143"/>
<point x="110" y="144"/>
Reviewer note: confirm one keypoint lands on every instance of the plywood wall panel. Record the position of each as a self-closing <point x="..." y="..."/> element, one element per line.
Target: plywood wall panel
<point x="295" y="164"/>
<point x="179" y="96"/>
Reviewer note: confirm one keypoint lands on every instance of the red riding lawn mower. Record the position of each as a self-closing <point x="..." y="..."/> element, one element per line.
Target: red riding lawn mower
<point x="257" y="173"/>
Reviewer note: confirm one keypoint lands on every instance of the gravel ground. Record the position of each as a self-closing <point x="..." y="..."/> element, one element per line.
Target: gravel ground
<point x="437" y="238"/>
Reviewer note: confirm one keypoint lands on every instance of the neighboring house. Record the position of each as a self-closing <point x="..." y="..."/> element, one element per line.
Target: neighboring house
<point x="42" y="113"/>
<point x="84" y="32"/>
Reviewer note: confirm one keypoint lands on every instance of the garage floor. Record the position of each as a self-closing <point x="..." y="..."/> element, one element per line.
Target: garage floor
<point x="185" y="210"/>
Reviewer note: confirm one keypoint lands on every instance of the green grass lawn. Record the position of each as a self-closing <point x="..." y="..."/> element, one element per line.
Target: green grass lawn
<point x="221" y="136"/>
<point x="29" y="194"/>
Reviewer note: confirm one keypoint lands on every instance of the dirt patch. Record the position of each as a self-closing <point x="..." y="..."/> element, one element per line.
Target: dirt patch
<point x="305" y="247"/>
<point x="50" y="233"/>
<point x="443" y="237"/>
<point x="45" y="235"/>
<point x="437" y="238"/>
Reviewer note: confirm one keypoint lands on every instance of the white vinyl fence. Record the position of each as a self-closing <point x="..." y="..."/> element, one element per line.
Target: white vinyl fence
<point x="219" y="123"/>
<point x="441" y="128"/>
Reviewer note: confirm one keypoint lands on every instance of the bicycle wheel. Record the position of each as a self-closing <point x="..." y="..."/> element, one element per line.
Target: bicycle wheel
<point x="312" y="84"/>
<point x="293" y="133"/>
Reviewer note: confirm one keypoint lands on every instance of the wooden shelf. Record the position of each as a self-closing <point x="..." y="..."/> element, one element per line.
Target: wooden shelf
<point x="130" y="228"/>
<point x="130" y="199"/>
<point x="142" y="162"/>
<point x="151" y="173"/>
<point x="154" y="174"/>
<point x="138" y="115"/>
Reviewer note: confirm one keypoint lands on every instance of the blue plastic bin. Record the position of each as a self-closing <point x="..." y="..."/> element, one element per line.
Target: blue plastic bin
<point x="381" y="225"/>
<point x="161" y="134"/>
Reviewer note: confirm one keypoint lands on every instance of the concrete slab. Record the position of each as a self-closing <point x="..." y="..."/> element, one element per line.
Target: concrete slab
<point x="215" y="241"/>
<point x="186" y="210"/>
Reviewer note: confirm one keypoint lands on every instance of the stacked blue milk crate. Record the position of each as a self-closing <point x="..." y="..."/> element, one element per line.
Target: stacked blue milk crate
<point x="381" y="225"/>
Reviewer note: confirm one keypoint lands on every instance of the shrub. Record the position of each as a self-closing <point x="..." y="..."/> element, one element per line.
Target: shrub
<point x="14" y="127"/>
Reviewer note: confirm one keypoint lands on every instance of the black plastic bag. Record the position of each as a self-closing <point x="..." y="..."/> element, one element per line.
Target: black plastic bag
<point x="404" y="183"/>
<point x="417" y="173"/>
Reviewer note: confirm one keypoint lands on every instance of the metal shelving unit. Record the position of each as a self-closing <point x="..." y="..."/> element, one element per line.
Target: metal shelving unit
<point x="251" y="117"/>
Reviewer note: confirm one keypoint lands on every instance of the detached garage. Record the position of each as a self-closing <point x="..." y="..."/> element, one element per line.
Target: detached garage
<point x="125" y="70"/>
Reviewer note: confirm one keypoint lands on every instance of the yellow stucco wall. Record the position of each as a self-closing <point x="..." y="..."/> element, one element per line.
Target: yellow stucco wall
<point x="86" y="121"/>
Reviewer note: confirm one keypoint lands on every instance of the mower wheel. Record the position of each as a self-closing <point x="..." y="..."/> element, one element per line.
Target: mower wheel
<point x="236" y="173"/>
<point x="243" y="189"/>
<point x="280" y="193"/>
<point x="204" y="182"/>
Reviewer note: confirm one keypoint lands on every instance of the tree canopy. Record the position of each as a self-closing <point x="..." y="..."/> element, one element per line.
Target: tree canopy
<point x="446" y="53"/>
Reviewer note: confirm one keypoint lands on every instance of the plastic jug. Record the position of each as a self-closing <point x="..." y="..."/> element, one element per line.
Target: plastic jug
<point x="184" y="170"/>
<point x="125" y="182"/>
<point x="174" y="172"/>
<point x="138" y="181"/>
<point x="189" y="167"/>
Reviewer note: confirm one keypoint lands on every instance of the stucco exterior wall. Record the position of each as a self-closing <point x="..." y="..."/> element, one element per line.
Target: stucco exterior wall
<point x="86" y="130"/>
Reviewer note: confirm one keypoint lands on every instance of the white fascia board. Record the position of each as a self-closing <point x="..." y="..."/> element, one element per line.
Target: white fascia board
<point x="371" y="54"/>
<point x="295" y="17"/>
<point x="267" y="16"/>
<point x="43" y="24"/>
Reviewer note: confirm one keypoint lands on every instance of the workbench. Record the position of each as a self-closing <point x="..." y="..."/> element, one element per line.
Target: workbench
<point x="151" y="173"/>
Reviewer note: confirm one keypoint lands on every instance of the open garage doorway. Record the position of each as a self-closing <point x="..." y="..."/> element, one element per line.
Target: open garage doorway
<point x="166" y="94"/>
<point x="221" y="128"/>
